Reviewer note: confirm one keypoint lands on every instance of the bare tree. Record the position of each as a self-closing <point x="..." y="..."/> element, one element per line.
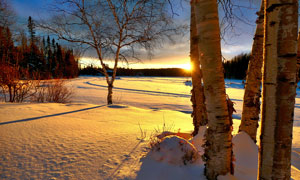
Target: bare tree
<point x="116" y="29"/>
<point x="7" y="15"/>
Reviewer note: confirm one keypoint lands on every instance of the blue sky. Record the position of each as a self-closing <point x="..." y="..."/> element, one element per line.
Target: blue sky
<point x="237" y="40"/>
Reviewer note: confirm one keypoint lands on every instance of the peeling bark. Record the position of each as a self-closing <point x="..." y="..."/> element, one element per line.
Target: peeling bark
<point x="251" y="102"/>
<point x="286" y="91"/>
<point x="218" y="146"/>
<point x="197" y="98"/>
<point x="280" y="66"/>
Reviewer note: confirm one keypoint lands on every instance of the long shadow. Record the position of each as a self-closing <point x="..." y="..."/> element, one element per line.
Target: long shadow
<point x="52" y="115"/>
<point x="145" y="91"/>
<point x="115" y="171"/>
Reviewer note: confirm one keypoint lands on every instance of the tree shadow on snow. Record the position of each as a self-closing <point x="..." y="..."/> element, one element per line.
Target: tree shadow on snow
<point x="140" y="91"/>
<point x="52" y="115"/>
<point x="117" y="106"/>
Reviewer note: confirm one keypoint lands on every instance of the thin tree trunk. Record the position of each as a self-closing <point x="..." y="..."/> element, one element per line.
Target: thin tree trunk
<point x="251" y="103"/>
<point x="280" y="65"/>
<point x="109" y="94"/>
<point x="197" y="98"/>
<point x="218" y="146"/>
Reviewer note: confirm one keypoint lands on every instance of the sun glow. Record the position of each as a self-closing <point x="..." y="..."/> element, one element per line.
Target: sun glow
<point x="187" y="66"/>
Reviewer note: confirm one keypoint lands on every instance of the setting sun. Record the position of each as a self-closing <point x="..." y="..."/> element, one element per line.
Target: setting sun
<point x="187" y="66"/>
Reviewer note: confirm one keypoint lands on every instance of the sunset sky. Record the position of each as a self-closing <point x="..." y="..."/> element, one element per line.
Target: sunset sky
<point x="237" y="40"/>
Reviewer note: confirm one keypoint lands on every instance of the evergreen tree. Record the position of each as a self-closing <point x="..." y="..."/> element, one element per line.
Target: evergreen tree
<point x="31" y="27"/>
<point x="6" y="46"/>
<point x="60" y="61"/>
<point x="236" y="68"/>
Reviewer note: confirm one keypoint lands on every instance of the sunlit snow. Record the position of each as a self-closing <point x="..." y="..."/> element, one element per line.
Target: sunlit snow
<point x="86" y="139"/>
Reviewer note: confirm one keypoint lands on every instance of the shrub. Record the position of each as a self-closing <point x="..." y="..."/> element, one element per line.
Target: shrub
<point x="16" y="85"/>
<point x="52" y="91"/>
<point x="13" y="88"/>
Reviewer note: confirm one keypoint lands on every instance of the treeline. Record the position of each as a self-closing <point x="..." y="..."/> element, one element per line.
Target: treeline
<point x="236" y="68"/>
<point x="165" y="72"/>
<point x="41" y="58"/>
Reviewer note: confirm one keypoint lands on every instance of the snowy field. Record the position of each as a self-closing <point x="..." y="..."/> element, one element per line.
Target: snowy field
<point x="86" y="139"/>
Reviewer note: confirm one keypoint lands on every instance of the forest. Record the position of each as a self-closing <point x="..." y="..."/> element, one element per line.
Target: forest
<point x="39" y="57"/>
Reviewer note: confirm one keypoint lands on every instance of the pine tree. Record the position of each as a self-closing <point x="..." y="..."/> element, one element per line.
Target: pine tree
<point x="31" y="30"/>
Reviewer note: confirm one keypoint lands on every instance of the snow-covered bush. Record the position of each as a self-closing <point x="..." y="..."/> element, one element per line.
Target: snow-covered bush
<point x="173" y="150"/>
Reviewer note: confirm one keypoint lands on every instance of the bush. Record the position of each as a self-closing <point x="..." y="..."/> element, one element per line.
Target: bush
<point x="16" y="86"/>
<point x="52" y="91"/>
<point x="13" y="88"/>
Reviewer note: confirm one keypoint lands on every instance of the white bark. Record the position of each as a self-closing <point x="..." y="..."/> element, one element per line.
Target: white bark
<point x="218" y="147"/>
<point x="251" y="102"/>
<point x="197" y="98"/>
<point x="280" y="64"/>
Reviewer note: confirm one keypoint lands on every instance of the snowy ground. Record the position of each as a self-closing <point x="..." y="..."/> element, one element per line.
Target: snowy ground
<point x="86" y="139"/>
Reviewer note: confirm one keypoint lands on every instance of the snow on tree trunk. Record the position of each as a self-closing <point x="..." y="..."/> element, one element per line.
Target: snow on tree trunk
<point x="197" y="98"/>
<point x="280" y="65"/>
<point x="251" y="103"/>
<point x="218" y="146"/>
<point x="109" y="94"/>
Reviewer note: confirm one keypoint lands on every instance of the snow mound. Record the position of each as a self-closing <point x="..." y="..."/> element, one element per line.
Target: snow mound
<point x="174" y="150"/>
<point x="198" y="140"/>
<point x="228" y="176"/>
<point x="172" y="157"/>
<point x="246" y="157"/>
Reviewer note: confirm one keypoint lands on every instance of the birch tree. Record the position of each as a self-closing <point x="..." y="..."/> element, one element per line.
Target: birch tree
<point x="279" y="78"/>
<point x="218" y="146"/>
<point x="197" y="98"/>
<point x="115" y="29"/>
<point x="251" y="103"/>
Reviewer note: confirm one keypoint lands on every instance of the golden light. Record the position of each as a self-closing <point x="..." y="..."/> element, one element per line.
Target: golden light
<point x="187" y="66"/>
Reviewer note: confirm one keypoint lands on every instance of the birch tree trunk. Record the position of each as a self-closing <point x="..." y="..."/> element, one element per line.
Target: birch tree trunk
<point x="218" y="146"/>
<point x="280" y="65"/>
<point x="286" y="88"/>
<point x="251" y="103"/>
<point x="197" y="98"/>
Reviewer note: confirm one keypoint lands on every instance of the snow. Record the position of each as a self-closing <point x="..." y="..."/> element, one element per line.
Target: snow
<point x="86" y="139"/>
<point x="246" y="160"/>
